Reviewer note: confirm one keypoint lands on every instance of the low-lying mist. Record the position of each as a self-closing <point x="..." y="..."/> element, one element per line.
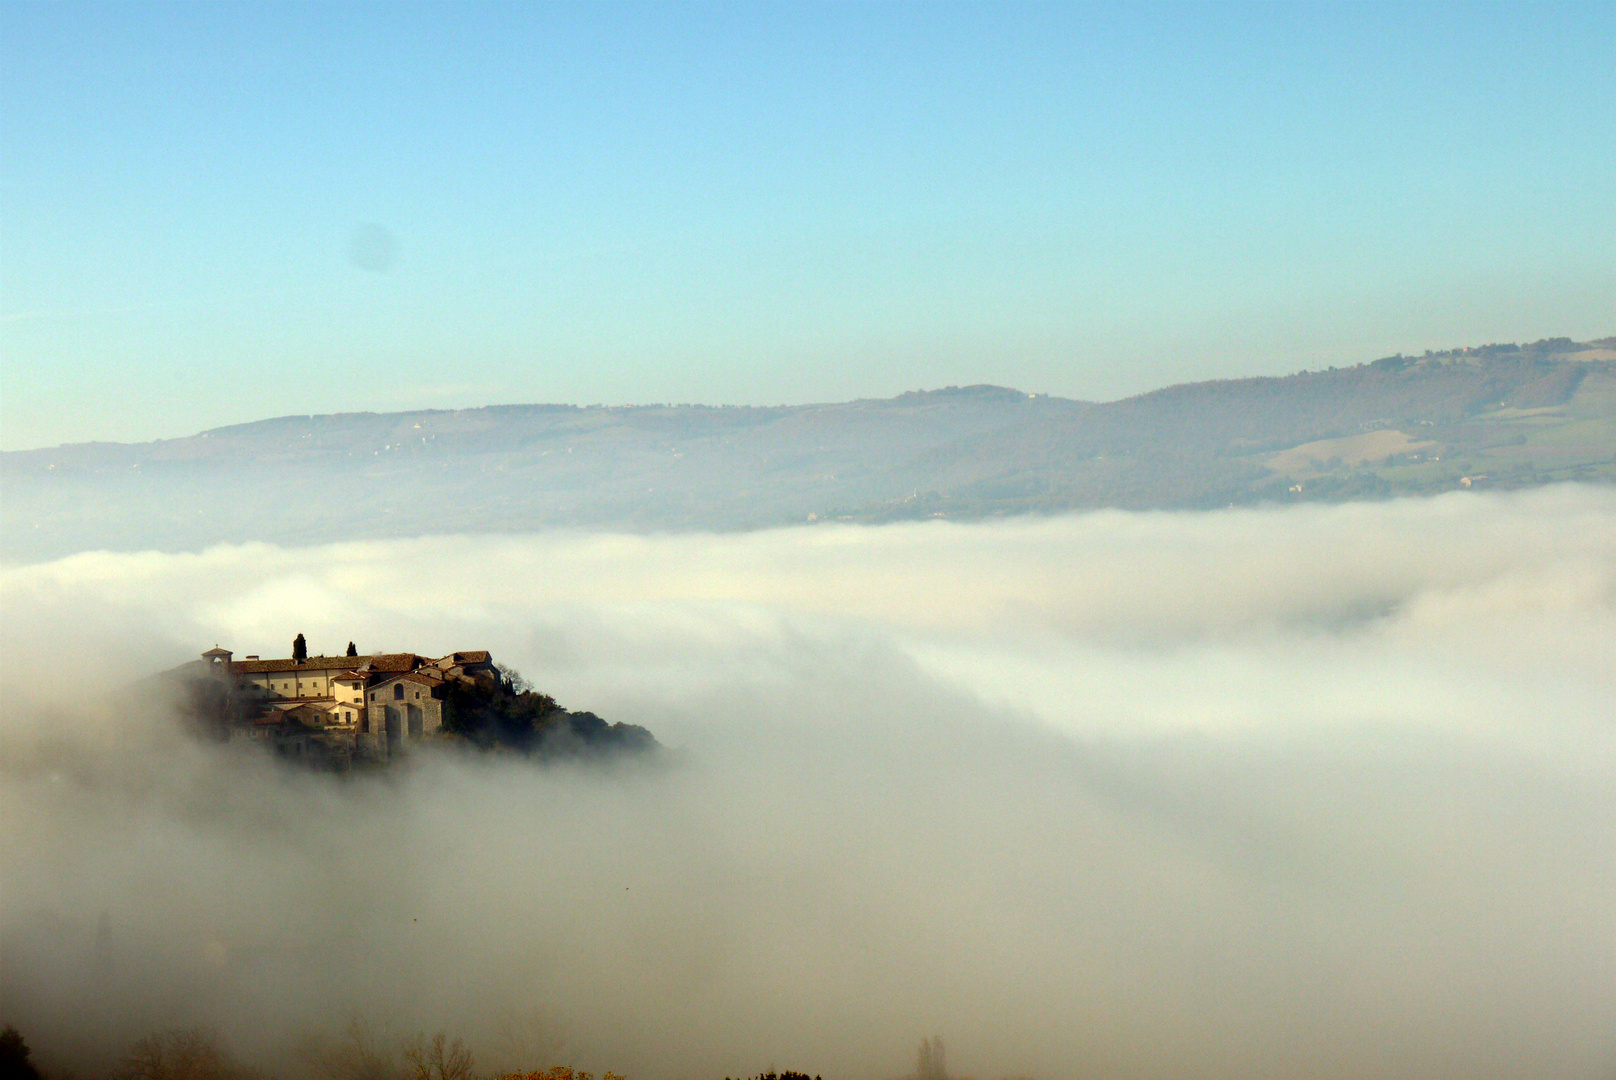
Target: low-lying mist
<point x="1317" y="791"/>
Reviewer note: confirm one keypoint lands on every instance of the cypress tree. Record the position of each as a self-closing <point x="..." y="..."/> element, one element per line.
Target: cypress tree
<point x="300" y="648"/>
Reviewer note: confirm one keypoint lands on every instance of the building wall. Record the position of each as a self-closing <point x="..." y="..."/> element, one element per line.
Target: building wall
<point x="348" y="714"/>
<point x="299" y="684"/>
<point x="343" y="713"/>
<point x="395" y="722"/>
<point x="351" y="694"/>
<point x="292" y="681"/>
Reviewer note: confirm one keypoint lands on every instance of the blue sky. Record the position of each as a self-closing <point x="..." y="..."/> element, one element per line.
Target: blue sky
<point x="217" y="213"/>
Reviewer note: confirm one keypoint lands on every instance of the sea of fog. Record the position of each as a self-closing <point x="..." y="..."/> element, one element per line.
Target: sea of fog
<point x="1303" y="792"/>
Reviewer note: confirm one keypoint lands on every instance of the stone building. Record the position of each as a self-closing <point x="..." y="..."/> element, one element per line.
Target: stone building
<point x="344" y="706"/>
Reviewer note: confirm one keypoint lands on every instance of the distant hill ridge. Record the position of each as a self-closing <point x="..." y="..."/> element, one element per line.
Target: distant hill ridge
<point x="1493" y="415"/>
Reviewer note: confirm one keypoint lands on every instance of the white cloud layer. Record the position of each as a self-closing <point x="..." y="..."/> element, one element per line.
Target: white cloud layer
<point x="1321" y="791"/>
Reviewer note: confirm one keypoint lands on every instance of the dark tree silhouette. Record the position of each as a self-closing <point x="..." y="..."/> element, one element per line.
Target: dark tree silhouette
<point x="438" y="1059"/>
<point x="300" y="648"/>
<point x="929" y="1062"/>
<point x="14" y="1063"/>
<point x="351" y="650"/>
<point x="180" y="1055"/>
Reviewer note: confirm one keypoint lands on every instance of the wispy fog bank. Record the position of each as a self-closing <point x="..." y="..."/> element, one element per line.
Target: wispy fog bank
<point x="1324" y="792"/>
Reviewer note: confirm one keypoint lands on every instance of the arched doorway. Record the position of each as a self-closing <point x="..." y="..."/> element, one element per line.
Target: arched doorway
<point x="414" y="713"/>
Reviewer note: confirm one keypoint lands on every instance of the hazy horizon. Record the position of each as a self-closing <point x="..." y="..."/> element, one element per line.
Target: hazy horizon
<point x="1229" y="376"/>
<point x="217" y="214"/>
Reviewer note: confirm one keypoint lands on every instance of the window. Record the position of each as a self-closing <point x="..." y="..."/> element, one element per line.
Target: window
<point x="398" y="691"/>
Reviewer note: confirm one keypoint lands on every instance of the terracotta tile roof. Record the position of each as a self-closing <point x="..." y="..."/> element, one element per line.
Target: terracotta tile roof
<point x="406" y="661"/>
<point x="374" y="663"/>
<point x="313" y="663"/>
<point x="425" y="678"/>
<point x="281" y="711"/>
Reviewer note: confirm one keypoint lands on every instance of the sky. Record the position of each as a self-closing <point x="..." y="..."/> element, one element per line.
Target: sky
<point x="1309" y="791"/>
<point x="212" y="214"/>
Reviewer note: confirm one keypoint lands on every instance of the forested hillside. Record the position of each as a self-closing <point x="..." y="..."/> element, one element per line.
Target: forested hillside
<point x="1497" y="415"/>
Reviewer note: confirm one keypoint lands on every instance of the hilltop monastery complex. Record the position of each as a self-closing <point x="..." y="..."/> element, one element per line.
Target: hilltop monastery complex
<point x="344" y="705"/>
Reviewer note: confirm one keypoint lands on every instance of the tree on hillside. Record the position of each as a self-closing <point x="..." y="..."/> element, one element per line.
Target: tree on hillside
<point x="929" y="1062"/>
<point x="438" y="1058"/>
<point x="14" y="1063"/>
<point x="207" y="706"/>
<point x="300" y="648"/>
<point x="511" y="715"/>
<point x="499" y="715"/>
<point x="351" y="650"/>
<point x="514" y="681"/>
<point x="360" y="1052"/>
<point x="180" y="1055"/>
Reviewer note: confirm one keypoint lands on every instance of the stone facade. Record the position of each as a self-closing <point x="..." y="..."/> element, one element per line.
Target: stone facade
<point x="401" y="708"/>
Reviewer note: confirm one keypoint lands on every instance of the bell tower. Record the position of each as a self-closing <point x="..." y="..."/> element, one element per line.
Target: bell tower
<point x="218" y="660"/>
